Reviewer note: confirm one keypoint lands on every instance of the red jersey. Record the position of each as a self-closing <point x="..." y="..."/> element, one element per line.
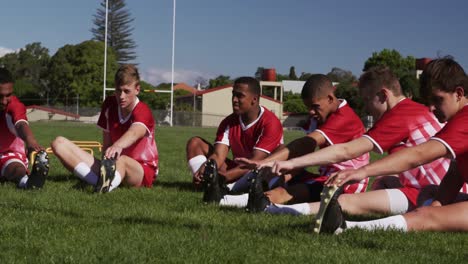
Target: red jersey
<point x="406" y="125"/>
<point x="340" y="127"/>
<point x="265" y="134"/>
<point x="144" y="150"/>
<point x="454" y="136"/>
<point x="14" y="113"/>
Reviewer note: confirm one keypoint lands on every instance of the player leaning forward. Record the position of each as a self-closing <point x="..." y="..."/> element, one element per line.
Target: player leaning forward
<point x="14" y="133"/>
<point x="130" y="155"/>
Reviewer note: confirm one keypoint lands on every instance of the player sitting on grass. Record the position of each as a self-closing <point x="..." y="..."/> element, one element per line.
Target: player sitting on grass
<point x="449" y="210"/>
<point x="251" y="131"/>
<point x="129" y="148"/>
<point x="336" y="123"/>
<point x="401" y="123"/>
<point x="15" y="131"/>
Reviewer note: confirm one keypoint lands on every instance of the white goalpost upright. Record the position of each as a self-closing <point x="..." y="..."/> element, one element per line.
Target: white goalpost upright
<point x="172" y="62"/>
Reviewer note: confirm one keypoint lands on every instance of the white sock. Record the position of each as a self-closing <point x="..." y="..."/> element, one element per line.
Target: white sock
<point x="196" y="162"/>
<point x="23" y="182"/>
<point x="242" y="184"/>
<point x="116" y="181"/>
<point x="398" y="201"/>
<point x="294" y="209"/>
<point x="84" y="172"/>
<point x="235" y="200"/>
<point x="397" y="222"/>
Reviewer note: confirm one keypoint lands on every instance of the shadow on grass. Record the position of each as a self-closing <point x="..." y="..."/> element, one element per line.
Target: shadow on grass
<point x="181" y="186"/>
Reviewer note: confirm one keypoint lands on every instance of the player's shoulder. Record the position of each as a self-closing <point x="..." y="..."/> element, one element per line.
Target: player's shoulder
<point x="268" y="115"/>
<point x="15" y="103"/>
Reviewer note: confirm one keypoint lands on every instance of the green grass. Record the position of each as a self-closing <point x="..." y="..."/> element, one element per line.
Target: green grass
<point x="63" y="224"/>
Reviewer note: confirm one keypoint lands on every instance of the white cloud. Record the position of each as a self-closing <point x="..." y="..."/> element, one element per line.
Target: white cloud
<point x="4" y="51"/>
<point x="156" y="76"/>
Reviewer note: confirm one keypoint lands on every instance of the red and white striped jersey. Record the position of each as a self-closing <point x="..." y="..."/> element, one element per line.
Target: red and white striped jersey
<point x="406" y="125"/>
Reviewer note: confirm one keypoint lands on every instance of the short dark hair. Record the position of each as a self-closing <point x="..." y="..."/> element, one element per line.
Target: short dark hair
<point x="444" y="74"/>
<point x="253" y="84"/>
<point x="377" y="77"/>
<point x="127" y="74"/>
<point x="318" y="85"/>
<point x="5" y="76"/>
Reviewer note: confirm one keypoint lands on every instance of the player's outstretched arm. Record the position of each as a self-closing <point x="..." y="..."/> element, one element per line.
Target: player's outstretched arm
<point x="25" y="133"/>
<point x="296" y="148"/>
<point x="134" y="133"/>
<point x="395" y="163"/>
<point x="329" y="155"/>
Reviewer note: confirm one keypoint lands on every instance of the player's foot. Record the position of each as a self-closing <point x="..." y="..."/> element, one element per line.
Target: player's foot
<point x="39" y="172"/>
<point x="107" y="175"/>
<point x="213" y="188"/>
<point x="330" y="219"/>
<point x="257" y="199"/>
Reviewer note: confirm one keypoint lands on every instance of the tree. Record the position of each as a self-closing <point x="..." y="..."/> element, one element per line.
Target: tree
<point x="339" y="75"/>
<point x="391" y="58"/>
<point x="304" y="76"/>
<point x="292" y="73"/>
<point x="78" y="70"/>
<point x="29" y="68"/>
<point x="410" y="86"/>
<point x="259" y="73"/>
<point x="293" y="103"/>
<point x="219" y="81"/>
<point x="119" y="30"/>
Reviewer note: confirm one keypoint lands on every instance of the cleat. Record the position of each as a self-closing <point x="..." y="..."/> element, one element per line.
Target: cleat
<point x="258" y="201"/>
<point x="106" y="176"/>
<point x="40" y="170"/>
<point x="330" y="219"/>
<point x="213" y="187"/>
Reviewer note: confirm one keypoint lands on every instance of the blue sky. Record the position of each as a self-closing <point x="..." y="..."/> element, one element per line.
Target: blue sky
<point x="234" y="37"/>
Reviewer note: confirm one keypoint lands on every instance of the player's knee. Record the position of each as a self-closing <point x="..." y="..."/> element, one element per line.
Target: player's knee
<point x="347" y="202"/>
<point x="58" y="143"/>
<point x="194" y="142"/>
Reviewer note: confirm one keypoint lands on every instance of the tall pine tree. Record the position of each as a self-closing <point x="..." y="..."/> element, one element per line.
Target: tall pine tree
<point x="119" y="30"/>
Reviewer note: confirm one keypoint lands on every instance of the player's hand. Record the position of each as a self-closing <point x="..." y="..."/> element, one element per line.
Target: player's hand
<point x="198" y="176"/>
<point x="113" y="152"/>
<point x="344" y="176"/>
<point x="282" y="167"/>
<point x="34" y="146"/>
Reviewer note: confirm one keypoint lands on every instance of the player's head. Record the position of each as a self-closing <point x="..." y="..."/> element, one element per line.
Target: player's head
<point x="245" y="95"/>
<point x="445" y="85"/>
<point x="376" y="86"/>
<point x="6" y="88"/>
<point x="318" y="95"/>
<point x="127" y="85"/>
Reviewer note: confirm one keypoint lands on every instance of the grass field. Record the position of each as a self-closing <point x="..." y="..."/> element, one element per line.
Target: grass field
<point x="168" y="223"/>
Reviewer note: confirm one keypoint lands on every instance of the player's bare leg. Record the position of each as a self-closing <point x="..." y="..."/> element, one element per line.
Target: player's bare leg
<point x="76" y="160"/>
<point x="70" y="155"/>
<point x="452" y="217"/>
<point x="131" y="171"/>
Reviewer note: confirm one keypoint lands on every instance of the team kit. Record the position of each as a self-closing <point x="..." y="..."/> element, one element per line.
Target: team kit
<point x="421" y="182"/>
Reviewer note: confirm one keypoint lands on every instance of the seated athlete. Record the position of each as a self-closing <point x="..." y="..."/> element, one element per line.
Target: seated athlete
<point x="15" y="132"/>
<point x="449" y="210"/>
<point x="129" y="150"/>
<point x="251" y="131"/>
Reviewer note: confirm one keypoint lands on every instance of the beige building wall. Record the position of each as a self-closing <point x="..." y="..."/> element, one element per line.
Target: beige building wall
<point x="36" y="115"/>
